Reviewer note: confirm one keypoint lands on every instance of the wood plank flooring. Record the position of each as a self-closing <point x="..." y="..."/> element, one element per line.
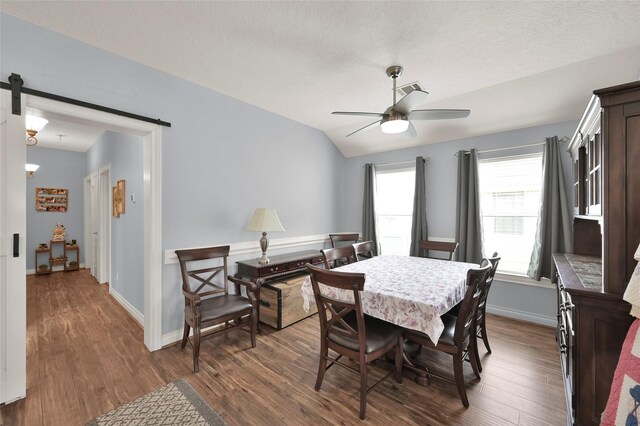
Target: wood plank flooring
<point x="86" y="356"/>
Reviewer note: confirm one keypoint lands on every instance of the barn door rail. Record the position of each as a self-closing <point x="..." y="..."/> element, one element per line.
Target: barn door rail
<point x="16" y="86"/>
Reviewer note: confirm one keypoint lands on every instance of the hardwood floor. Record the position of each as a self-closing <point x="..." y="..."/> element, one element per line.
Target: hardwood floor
<point x="86" y="356"/>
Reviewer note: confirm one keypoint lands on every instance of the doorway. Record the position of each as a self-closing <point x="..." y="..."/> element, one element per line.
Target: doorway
<point x="152" y="198"/>
<point x="13" y="304"/>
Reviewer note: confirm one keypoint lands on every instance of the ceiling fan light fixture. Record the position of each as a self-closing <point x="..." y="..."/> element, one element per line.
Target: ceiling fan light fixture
<point x="394" y="123"/>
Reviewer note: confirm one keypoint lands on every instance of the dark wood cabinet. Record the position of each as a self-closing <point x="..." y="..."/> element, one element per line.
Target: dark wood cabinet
<point x="592" y="317"/>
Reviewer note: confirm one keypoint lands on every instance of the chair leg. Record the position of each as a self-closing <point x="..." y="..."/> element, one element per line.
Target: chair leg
<point x="471" y="354"/>
<point x="363" y="389"/>
<point x="459" y="376"/>
<point x="483" y="330"/>
<point x="196" y="348"/>
<point x="476" y="351"/>
<point x="185" y="335"/>
<point x="254" y="328"/>
<point x="322" y="365"/>
<point x="399" y="358"/>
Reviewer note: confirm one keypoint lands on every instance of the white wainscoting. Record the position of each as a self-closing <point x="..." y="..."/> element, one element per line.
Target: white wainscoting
<point x="253" y="247"/>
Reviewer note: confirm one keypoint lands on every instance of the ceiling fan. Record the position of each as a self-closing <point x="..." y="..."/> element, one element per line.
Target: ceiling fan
<point x="397" y="118"/>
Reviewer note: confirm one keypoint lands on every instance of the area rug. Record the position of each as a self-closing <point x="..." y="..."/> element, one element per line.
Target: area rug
<point x="175" y="404"/>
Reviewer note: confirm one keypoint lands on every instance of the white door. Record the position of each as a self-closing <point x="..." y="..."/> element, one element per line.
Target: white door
<point x="91" y="224"/>
<point x="13" y="225"/>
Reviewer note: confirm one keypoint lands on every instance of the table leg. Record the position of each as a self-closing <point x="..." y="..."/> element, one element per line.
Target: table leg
<point x="422" y="375"/>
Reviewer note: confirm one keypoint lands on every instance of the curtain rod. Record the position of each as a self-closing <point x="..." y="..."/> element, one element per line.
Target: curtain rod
<point x="563" y="139"/>
<point x="399" y="162"/>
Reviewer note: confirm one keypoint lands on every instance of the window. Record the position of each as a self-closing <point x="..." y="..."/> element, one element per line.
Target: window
<point x="509" y="201"/>
<point x="394" y="209"/>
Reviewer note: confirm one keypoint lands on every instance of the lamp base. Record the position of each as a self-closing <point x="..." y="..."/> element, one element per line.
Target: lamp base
<point x="264" y="244"/>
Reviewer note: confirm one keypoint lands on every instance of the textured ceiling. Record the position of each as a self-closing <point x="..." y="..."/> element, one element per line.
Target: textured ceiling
<point x="514" y="64"/>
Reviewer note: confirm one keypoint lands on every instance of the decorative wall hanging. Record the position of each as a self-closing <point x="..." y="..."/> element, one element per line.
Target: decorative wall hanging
<point x="118" y="198"/>
<point x="51" y="199"/>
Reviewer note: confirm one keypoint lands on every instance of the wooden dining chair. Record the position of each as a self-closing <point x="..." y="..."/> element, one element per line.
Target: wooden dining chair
<point x="338" y="256"/>
<point x="208" y="303"/>
<point x="363" y="250"/>
<point x="480" y="321"/>
<point x="457" y="337"/>
<point x="447" y="248"/>
<point x="347" y="331"/>
<point x="338" y="240"/>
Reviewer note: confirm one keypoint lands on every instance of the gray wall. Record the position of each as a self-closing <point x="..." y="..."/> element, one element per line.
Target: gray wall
<point x="124" y="154"/>
<point x="529" y="302"/>
<point x="58" y="169"/>
<point x="222" y="158"/>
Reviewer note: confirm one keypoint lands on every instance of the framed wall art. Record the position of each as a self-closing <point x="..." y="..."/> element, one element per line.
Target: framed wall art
<point x="118" y="198"/>
<point x="52" y="199"/>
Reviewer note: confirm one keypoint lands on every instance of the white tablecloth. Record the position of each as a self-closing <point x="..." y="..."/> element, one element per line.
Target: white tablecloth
<point x="408" y="291"/>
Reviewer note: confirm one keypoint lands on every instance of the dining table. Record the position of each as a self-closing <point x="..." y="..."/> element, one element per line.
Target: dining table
<point x="412" y="292"/>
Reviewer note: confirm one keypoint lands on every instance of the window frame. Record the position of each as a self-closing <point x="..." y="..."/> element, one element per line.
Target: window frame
<point x="511" y="276"/>
<point x="382" y="170"/>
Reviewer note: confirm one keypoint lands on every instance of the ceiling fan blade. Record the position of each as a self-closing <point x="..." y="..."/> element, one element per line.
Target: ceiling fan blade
<point x="372" y="114"/>
<point x="409" y="102"/>
<point x="438" y="114"/>
<point x="365" y="127"/>
<point x="410" y="133"/>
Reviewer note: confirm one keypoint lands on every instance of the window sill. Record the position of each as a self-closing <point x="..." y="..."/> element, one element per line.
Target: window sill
<point x="523" y="280"/>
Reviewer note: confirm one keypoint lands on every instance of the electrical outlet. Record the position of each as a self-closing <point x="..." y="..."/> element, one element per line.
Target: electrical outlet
<point x="117" y="277"/>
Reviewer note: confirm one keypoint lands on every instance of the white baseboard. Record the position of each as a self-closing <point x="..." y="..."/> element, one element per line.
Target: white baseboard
<point x="135" y="314"/>
<point x="171" y="338"/>
<point x="523" y="316"/>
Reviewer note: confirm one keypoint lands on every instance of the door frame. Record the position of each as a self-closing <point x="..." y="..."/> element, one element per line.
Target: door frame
<point x="152" y="194"/>
<point x="104" y="225"/>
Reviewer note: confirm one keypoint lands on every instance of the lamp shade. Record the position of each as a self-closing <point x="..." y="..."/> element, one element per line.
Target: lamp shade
<point x="33" y="122"/>
<point x="31" y="167"/>
<point x="265" y="220"/>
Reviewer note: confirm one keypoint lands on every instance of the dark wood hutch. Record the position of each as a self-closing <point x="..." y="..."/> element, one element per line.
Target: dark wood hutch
<point x="592" y="317"/>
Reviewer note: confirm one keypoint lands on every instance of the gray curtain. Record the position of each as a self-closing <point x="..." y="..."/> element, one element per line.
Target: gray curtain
<point x="554" y="232"/>
<point x="419" y="219"/>
<point x="369" y="226"/>
<point x="468" y="218"/>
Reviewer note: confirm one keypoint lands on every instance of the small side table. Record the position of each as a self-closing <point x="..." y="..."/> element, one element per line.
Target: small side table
<point x="39" y="253"/>
<point x="74" y="250"/>
<point x="279" y="266"/>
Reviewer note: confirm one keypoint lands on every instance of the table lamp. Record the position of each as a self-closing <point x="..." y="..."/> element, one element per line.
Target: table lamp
<point x="264" y="220"/>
